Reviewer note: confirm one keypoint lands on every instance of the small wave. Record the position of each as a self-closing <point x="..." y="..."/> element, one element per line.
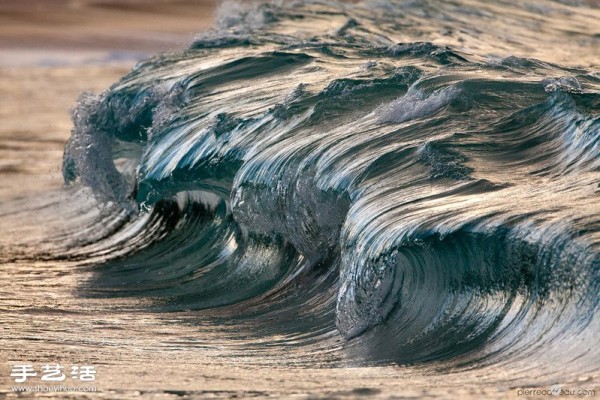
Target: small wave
<point x="426" y="203"/>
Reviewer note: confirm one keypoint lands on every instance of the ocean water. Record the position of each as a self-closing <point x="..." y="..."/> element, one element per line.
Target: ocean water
<point x="330" y="200"/>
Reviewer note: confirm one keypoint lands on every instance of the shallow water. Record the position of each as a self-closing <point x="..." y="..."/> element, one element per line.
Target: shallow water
<point x="322" y="199"/>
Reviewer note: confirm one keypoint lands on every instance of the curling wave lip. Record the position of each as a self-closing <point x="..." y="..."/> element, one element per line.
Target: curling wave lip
<point x="427" y="202"/>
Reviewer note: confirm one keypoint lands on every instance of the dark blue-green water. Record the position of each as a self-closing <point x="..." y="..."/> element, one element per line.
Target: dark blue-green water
<point x="380" y="183"/>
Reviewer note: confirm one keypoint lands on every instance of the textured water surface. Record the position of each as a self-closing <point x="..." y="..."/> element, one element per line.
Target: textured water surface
<point x="372" y="199"/>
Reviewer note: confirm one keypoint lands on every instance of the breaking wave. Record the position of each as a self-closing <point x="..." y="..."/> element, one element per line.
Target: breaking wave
<point x="302" y="168"/>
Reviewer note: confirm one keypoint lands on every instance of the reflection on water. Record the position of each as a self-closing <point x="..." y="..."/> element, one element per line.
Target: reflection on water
<point x="338" y="199"/>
